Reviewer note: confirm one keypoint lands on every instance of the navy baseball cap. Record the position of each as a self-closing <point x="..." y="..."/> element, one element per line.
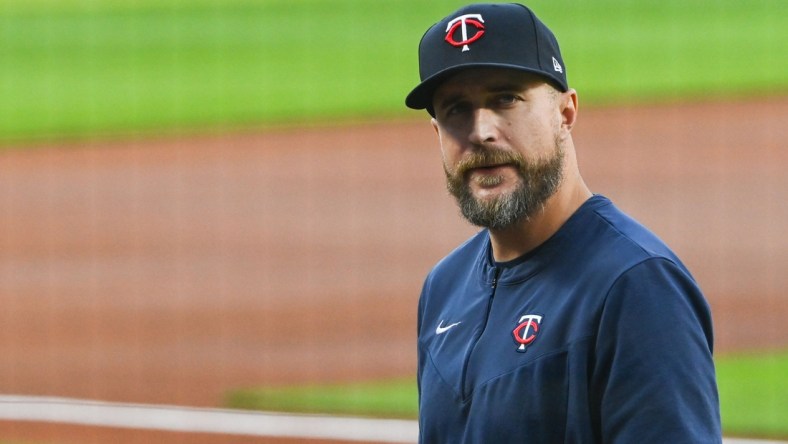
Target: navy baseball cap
<point x="486" y="35"/>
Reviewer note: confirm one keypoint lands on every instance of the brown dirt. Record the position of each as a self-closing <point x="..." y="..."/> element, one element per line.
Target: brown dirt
<point x="170" y="271"/>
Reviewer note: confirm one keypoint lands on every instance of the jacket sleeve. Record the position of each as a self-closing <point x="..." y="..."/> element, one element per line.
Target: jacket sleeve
<point x="654" y="378"/>
<point x="420" y="355"/>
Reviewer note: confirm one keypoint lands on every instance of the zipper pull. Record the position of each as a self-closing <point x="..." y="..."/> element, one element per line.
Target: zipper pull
<point x="495" y="278"/>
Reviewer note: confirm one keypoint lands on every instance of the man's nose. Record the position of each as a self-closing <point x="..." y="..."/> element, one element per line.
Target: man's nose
<point x="484" y="126"/>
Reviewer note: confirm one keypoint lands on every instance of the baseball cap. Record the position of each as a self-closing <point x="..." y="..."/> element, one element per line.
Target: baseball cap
<point x="486" y="35"/>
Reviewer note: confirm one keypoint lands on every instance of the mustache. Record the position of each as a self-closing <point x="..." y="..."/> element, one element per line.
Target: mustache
<point x="486" y="158"/>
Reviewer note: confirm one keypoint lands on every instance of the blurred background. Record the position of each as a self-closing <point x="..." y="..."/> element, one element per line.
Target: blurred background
<point x="205" y="203"/>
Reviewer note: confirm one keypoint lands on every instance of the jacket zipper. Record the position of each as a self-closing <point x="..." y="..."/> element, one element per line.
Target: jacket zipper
<point x="493" y="287"/>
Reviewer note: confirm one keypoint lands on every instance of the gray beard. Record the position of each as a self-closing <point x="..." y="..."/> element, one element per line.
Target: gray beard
<point x="539" y="181"/>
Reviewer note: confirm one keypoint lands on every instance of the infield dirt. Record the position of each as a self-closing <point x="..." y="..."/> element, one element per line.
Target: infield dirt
<point x="172" y="270"/>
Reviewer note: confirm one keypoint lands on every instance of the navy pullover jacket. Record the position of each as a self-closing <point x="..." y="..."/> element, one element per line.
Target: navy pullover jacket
<point x="599" y="335"/>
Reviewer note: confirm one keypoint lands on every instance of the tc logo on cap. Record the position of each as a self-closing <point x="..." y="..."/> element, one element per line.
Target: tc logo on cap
<point x="462" y="22"/>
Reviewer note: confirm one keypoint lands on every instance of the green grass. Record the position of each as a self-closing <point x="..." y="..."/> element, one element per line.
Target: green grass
<point x="385" y="399"/>
<point x="675" y="49"/>
<point x="77" y="68"/>
<point x="753" y="397"/>
<point x="754" y="394"/>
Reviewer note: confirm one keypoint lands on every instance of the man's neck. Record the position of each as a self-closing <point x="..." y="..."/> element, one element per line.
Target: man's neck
<point x="517" y="240"/>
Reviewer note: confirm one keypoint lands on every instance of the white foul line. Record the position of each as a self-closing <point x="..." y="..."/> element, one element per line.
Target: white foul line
<point x="222" y="421"/>
<point x="191" y="419"/>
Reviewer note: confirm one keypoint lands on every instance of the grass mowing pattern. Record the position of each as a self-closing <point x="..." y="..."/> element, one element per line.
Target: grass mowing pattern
<point x="77" y="68"/>
<point x="753" y="397"/>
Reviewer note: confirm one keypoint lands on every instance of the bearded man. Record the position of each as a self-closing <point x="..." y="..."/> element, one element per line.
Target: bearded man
<point x="563" y="319"/>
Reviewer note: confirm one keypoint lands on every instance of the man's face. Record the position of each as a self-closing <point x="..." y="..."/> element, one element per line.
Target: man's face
<point x="500" y="135"/>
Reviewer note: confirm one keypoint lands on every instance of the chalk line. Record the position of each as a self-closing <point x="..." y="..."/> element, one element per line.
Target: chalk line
<point x="222" y="421"/>
<point x="206" y="420"/>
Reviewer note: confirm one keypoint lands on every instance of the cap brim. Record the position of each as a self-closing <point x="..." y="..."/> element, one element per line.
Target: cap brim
<point x="421" y="96"/>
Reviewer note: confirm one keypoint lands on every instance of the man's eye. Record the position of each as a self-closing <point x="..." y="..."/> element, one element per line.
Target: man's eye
<point x="507" y="99"/>
<point x="457" y="108"/>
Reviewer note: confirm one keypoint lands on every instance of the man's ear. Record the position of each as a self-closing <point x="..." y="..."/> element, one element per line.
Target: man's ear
<point x="434" y="123"/>
<point x="568" y="109"/>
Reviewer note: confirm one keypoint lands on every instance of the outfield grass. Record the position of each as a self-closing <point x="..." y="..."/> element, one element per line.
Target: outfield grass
<point x="76" y="68"/>
<point x="753" y="397"/>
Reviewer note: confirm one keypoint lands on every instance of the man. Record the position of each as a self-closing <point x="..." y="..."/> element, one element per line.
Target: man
<point x="563" y="320"/>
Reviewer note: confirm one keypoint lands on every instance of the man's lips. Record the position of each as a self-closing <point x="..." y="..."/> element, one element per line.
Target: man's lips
<point x="489" y="168"/>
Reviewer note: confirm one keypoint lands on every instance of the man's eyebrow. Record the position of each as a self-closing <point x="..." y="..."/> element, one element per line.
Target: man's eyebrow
<point x="505" y="87"/>
<point x="450" y="100"/>
<point x="455" y="97"/>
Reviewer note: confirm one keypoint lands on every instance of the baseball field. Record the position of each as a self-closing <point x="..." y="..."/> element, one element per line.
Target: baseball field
<point x="224" y="204"/>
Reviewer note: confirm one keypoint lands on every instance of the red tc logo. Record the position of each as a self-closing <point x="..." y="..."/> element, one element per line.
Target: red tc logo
<point x="462" y="23"/>
<point x="525" y="333"/>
